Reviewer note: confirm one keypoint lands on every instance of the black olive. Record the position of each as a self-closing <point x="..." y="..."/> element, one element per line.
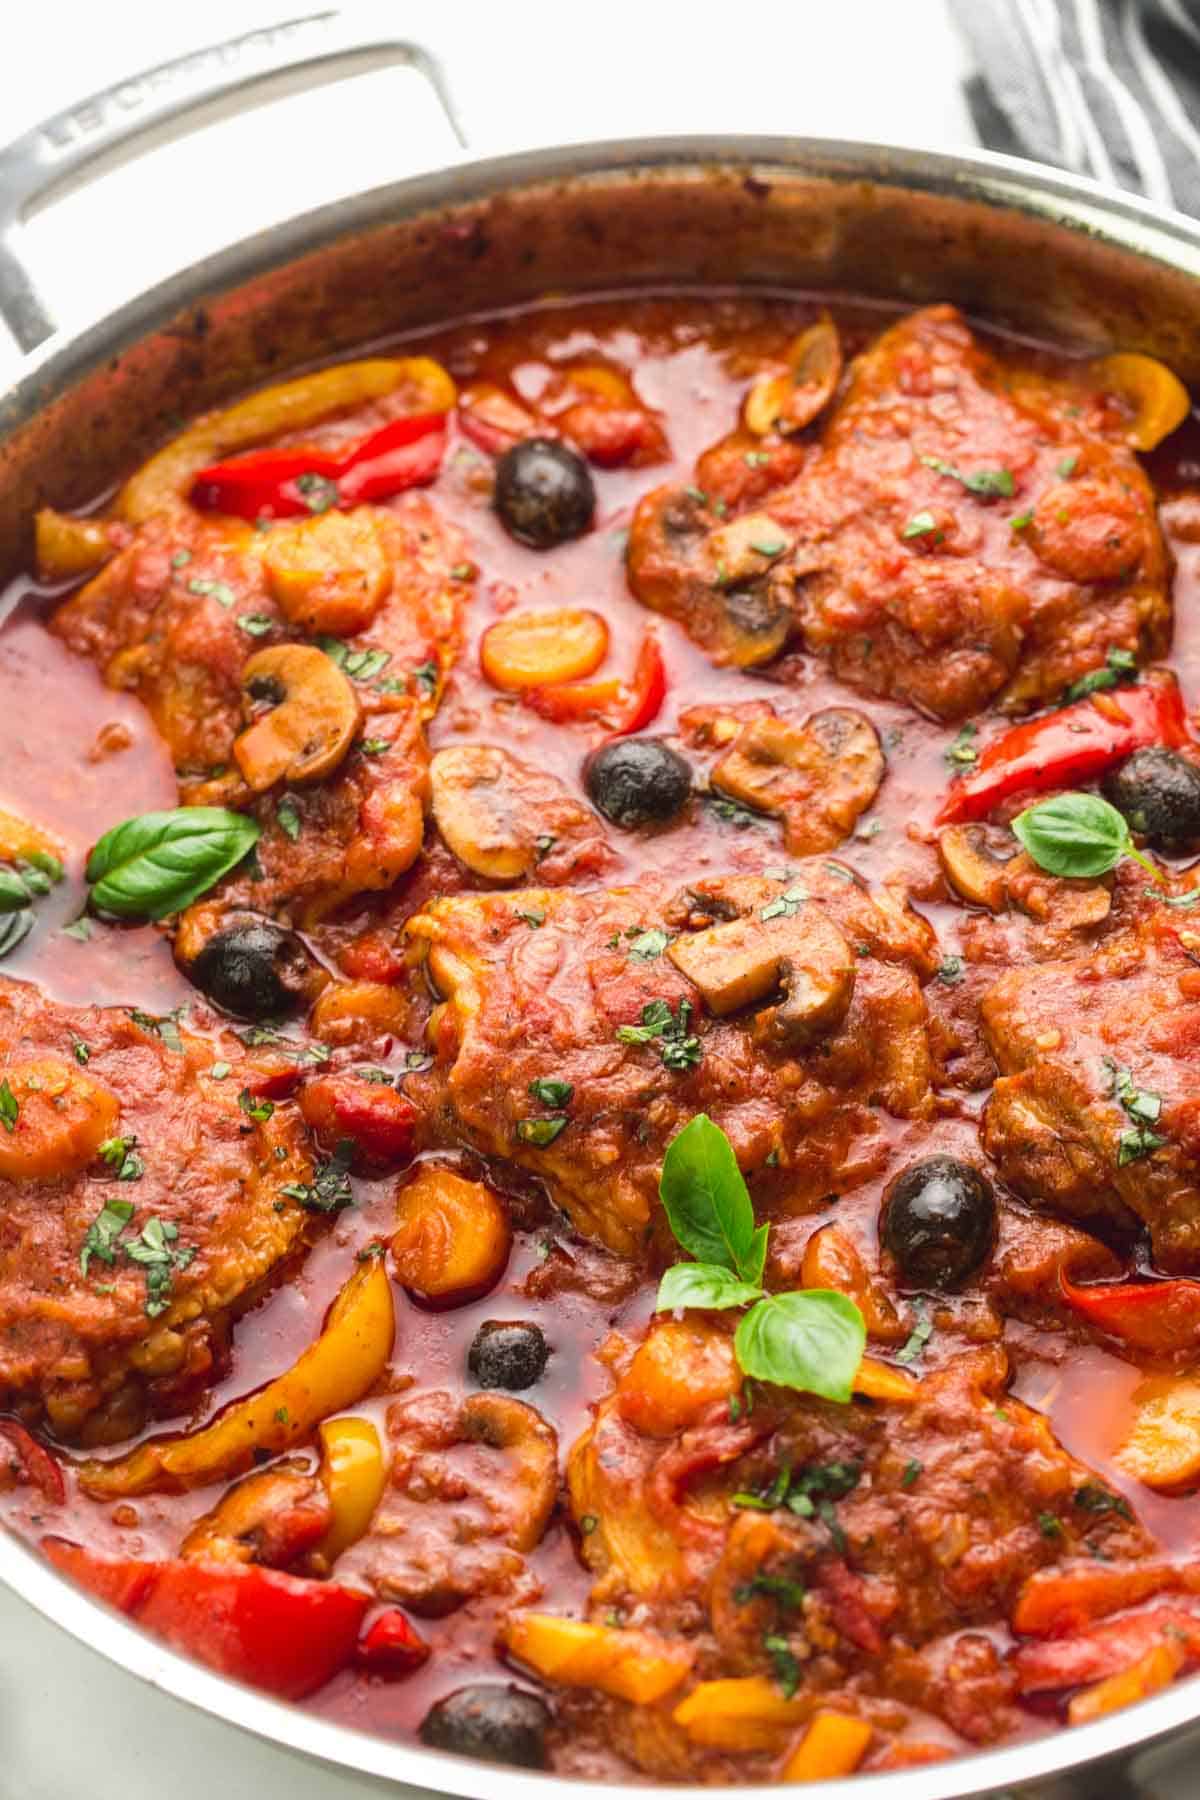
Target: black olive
<point x="496" y="1724"/>
<point x="507" y="1354"/>
<point x="254" y="970"/>
<point x="544" y="492"/>
<point x="637" y="781"/>
<point x="1159" y="793"/>
<point x="939" y="1222"/>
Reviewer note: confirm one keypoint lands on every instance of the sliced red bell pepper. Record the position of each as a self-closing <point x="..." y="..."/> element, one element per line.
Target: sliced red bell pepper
<point x="38" y="1466"/>
<point x="278" y="1632"/>
<point x="390" y="1646"/>
<point x="1070" y="746"/>
<point x="1157" y="1317"/>
<point x="280" y="484"/>
<point x="623" y="706"/>
<point x="1052" y="1664"/>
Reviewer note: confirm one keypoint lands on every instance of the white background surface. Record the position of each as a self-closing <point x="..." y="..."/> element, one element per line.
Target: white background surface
<point x="525" y="72"/>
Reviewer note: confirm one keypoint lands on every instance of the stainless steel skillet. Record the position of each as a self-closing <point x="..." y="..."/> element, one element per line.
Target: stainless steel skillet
<point x="1028" y="248"/>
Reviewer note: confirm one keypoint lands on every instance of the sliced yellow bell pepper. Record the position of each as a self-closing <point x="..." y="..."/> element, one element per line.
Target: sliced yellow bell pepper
<point x="291" y="406"/>
<point x="342" y="1365"/>
<point x="630" y="1665"/>
<point x="1161" y="401"/>
<point x="880" y="1381"/>
<point x="354" y="1473"/>
<point x="1157" y="1669"/>
<point x="744" y="1713"/>
<point x="65" y="547"/>
<point x="834" y="1744"/>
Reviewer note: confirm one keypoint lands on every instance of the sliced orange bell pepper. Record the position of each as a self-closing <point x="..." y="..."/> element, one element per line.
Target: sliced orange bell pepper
<point x="342" y="1365"/>
<point x="834" y="1744"/>
<point x="631" y="1665"/>
<point x="745" y="1712"/>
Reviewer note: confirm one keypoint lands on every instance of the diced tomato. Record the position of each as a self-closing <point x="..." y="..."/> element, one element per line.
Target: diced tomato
<point x="373" y="1116"/>
<point x="390" y="1645"/>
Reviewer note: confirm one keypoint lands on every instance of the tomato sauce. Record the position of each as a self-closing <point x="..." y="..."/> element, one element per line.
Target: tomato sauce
<point x="78" y="756"/>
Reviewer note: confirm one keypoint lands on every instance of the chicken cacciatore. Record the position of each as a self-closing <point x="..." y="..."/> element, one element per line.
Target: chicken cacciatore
<point x="600" y="1039"/>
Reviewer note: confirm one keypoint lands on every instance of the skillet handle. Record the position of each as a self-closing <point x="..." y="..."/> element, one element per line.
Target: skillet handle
<point x="322" y="47"/>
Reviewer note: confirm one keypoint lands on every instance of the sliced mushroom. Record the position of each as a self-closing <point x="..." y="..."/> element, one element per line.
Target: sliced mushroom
<point x="313" y="721"/>
<point x="790" y="400"/>
<point x="975" y="860"/>
<point x="817" y="777"/>
<point x="272" y="1517"/>
<point x="743" y="962"/>
<point x="474" y="812"/>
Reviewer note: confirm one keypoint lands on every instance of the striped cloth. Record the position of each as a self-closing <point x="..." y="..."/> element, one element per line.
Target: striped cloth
<point x="1107" y="88"/>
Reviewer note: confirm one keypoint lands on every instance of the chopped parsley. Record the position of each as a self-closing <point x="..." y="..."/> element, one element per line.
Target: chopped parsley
<point x="10" y="1110"/>
<point x="82" y="1051"/>
<point x="549" y="1091"/>
<point x="359" y="665"/>
<point x="256" y="624"/>
<point x="329" y="1190"/>
<point x="785" y="905"/>
<point x="287" y="816"/>
<point x="375" y="746"/>
<point x="317" y="491"/>
<point x="648" y="945"/>
<point x="986" y="484"/>
<point x="258" y="1110"/>
<point x="920" y="1335"/>
<point x="164" y="1025"/>
<point x="962" y="752"/>
<point x="220" y="591"/>
<point x="1022" y="522"/>
<point x="540" y="1132"/>
<point x="103" y="1232"/>
<point x="1049" y="1525"/>
<point x="1119" y="665"/>
<point x="731" y="812"/>
<point x="1067" y="466"/>
<point x="181" y="559"/>
<point x="912" y="1470"/>
<point x="219" y="1071"/>
<point x="1093" y="1498"/>
<point x="950" y="970"/>
<point x="544" y="844"/>
<point x="920" y="525"/>
<point x="120" y="1154"/>
<point x="784" y="1667"/>
<point x="1139" y="1141"/>
<point x="788" y="1593"/>
<point x="155" y="1250"/>
<point x="1141" y="1105"/>
<point x="426" y="677"/>
<point x="533" y="916"/>
<point x="677" y="1046"/>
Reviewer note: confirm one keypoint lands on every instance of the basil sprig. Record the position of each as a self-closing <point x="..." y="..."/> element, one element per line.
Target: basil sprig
<point x="1077" y="835"/>
<point x="162" y="861"/>
<point x="812" y="1340"/>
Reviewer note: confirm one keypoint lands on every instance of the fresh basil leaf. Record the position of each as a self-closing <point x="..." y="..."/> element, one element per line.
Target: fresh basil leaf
<point x="703" y="1284"/>
<point x="1076" y="835"/>
<point x="706" y="1201"/>
<point x="162" y="861"/>
<point x="14" y="929"/>
<point x="551" y="1091"/>
<point x="812" y="1341"/>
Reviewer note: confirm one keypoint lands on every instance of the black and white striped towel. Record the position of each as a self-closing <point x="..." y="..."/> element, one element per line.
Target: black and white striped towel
<point x="1107" y="88"/>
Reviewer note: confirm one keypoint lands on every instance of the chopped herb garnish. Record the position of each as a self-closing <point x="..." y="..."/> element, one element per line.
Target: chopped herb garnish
<point x="540" y="1132"/>
<point x="462" y="571"/>
<point x="416" y="1061"/>
<point x="533" y="916"/>
<point x="785" y="905"/>
<point x="81" y="1051"/>
<point x="10" y="1110"/>
<point x="755" y="459"/>
<point x="317" y="491"/>
<point x="257" y="1109"/>
<point x="544" y="844"/>
<point x="1022" y="522"/>
<point x="551" y="1092"/>
<point x="920" y="1335"/>
<point x="1067" y="466"/>
<point x="164" y="1025"/>
<point x="220" y="591"/>
<point x="769" y="546"/>
<point x="375" y="746"/>
<point x="912" y="1470"/>
<point x="588" y="1523"/>
<point x="329" y="1190"/>
<point x="256" y="624"/>
<point x="103" y="1232"/>
<point x="181" y="559"/>
<point x="119" y="1153"/>
<point x="731" y="812"/>
<point x="784" y="1667"/>
<point x="789" y="1594"/>
<point x="1049" y="1525"/>
<point x="359" y="665"/>
<point x="950" y="970"/>
<point x="1119" y="665"/>
<point x="282" y="1415"/>
<point x="697" y="494"/>
<point x="648" y="945"/>
<point x="426" y="677"/>
<point x="961" y="752"/>
<point x="1093" y="1498"/>
<point x="1139" y="1141"/>
<point x="678" y="1049"/>
<point x="219" y="1071"/>
<point x="287" y="815"/>
<point x="155" y="1250"/>
<point x="919" y="525"/>
<point x="986" y="484"/>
